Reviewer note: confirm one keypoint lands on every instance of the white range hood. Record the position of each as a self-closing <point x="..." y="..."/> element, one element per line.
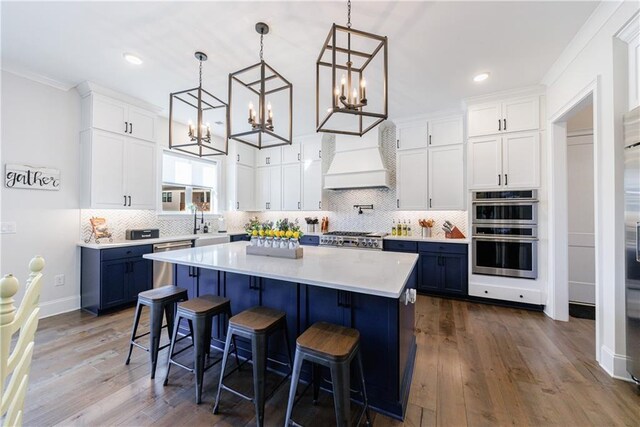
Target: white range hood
<point x="357" y="163"/>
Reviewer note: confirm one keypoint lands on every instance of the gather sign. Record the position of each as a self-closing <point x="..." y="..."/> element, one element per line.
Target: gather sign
<point x="31" y="177"/>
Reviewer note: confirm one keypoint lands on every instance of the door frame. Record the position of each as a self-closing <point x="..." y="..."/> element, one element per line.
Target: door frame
<point x="558" y="256"/>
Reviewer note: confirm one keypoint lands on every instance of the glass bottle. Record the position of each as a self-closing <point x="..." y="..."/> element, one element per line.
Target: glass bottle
<point x="399" y="229"/>
<point x="404" y="227"/>
<point x="393" y="228"/>
<point x="409" y="228"/>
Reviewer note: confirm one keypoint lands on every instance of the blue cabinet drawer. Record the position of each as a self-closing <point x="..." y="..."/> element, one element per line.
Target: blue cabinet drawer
<point x="310" y="240"/>
<point x="239" y="237"/>
<point x="400" y="245"/>
<point x="452" y="248"/>
<point x="125" y="252"/>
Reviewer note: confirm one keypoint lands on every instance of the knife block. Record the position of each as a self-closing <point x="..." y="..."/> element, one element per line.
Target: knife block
<point x="455" y="234"/>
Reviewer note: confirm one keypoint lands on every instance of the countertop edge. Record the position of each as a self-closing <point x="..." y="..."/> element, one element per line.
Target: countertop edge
<point x="464" y="241"/>
<point x="142" y="242"/>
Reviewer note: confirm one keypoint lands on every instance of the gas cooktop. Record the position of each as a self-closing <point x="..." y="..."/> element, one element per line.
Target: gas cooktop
<point x="352" y="239"/>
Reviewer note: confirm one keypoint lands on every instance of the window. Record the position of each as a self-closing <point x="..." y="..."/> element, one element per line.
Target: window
<point x="187" y="183"/>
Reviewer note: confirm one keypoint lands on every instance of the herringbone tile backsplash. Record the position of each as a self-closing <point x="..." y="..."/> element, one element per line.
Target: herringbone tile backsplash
<point x="339" y="204"/>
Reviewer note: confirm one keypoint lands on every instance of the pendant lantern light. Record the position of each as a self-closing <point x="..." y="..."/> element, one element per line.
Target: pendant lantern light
<point x="346" y="102"/>
<point x="260" y="104"/>
<point x="197" y="139"/>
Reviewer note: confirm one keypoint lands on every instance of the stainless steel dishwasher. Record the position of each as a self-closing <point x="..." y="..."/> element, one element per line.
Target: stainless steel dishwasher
<point x="163" y="271"/>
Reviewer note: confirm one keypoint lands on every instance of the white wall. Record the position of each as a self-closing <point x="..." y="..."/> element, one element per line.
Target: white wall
<point x="596" y="57"/>
<point x="40" y="126"/>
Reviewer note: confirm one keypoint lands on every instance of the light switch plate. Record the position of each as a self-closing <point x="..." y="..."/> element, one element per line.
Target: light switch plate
<point x="58" y="280"/>
<point x="8" y="227"/>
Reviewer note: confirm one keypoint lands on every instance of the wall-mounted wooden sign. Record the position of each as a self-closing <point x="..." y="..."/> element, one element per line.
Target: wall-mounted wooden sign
<point x="31" y="177"/>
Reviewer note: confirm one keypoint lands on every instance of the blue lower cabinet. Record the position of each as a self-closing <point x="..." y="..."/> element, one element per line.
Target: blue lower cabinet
<point x="244" y="293"/>
<point x="239" y="237"/>
<point x="430" y="271"/>
<point x="455" y="274"/>
<point x="187" y="277"/>
<point x="283" y="296"/>
<point x="310" y="240"/>
<point x="400" y="246"/>
<point x="112" y="278"/>
<point x="443" y="268"/>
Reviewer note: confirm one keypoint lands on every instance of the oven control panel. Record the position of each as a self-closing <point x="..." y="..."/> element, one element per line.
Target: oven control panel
<point x="352" y="242"/>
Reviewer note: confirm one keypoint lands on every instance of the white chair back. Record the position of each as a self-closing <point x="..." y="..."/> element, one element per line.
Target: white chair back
<point x="16" y="362"/>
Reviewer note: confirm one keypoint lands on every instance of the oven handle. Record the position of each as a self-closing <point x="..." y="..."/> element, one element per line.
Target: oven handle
<point x="520" y="202"/>
<point x="504" y="238"/>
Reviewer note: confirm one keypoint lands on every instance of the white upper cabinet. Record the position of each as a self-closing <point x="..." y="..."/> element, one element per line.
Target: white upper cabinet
<point x="507" y="161"/>
<point x="512" y="115"/>
<point x="269" y="156"/>
<point x="521" y="114"/>
<point x="484" y="119"/>
<point x="112" y="115"/>
<point x="311" y="149"/>
<point x="118" y="172"/>
<point x="291" y="187"/>
<point x="521" y="160"/>
<point x="446" y="177"/>
<point x="485" y="162"/>
<point x="244" y="154"/>
<point x="446" y="131"/>
<point x="269" y="188"/>
<point x="411" y="177"/>
<point x="291" y="153"/>
<point x="312" y="185"/>
<point x="244" y="189"/>
<point x="412" y="137"/>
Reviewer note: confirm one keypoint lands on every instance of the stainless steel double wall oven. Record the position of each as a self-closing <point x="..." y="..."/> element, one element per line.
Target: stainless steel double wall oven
<point x="505" y="233"/>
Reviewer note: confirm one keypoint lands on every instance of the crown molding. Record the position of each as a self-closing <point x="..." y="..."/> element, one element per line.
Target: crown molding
<point x="510" y="93"/>
<point x="631" y="30"/>
<point x="38" y="78"/>
<point x="583" y="37"/>
<point x="86" y="88"/>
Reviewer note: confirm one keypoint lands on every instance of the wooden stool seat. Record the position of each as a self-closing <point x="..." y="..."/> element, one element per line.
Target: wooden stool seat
<point x="161" y="294"/>
<point x="204" y="305"/>
<point x="257" y="319"/>
<point x="329" y="340"/>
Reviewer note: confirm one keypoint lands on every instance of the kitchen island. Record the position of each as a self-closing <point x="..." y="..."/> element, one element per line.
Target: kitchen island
<point x="364" y="289"/>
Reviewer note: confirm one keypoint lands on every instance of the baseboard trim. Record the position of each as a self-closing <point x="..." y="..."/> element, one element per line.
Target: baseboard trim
<point x="59" y="306"/>
<point x="614" y="364"/>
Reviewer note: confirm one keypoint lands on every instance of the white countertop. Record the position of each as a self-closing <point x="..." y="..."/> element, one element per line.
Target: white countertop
<point x="364" y="271"/>
<point x="427" y="239"/>
<point x="104" y="244"/>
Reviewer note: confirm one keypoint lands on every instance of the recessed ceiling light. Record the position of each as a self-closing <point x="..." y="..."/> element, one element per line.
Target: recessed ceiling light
<point x="131" y="58"/>
<point x="481" y="77"/>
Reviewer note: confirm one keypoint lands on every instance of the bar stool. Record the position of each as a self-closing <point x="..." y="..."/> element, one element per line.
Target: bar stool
<point x="256" y="324"/>
<point x="158" y="300"/>
<point x="199" y="312"/>
<point x="335" y="347"/>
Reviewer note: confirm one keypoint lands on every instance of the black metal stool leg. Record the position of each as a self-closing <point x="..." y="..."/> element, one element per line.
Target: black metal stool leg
<point x="169" y="312"/>
<point x="136" y="321"/>
<point x="341" y="392"/>
<point x="295" y="376"/>
<point x="174" y="337"/>
<point x="259" y="351"/>
<point x="316" y="378"/>
<point x="364" y="389"/>
<point x="285" y="331"/>
<point x="199" y="353"/>
<point x="154" y="336"/>
<point x="207" y="336"/>
<point x="225" y="355"/>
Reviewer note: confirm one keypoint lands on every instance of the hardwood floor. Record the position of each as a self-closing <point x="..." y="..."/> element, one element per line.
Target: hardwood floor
<point x="476" y="365"/>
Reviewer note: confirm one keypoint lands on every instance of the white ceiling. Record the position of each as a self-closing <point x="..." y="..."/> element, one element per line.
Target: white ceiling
<point x="435" y="48"/>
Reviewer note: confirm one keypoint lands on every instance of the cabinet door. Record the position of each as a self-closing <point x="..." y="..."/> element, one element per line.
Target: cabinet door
<point x="430" y="277"/>
<point x="291" y="153"/>
<point x="446" y="131"/>
<point x="142" y="124"/>
<point x="275" y="191"/>
<point x="291" y="186"/>
<point x="327" y="305"/>
<point x="484" y="119"/>
<point x="311" y="149"/>
<point x="245" y="155"/>
<point x="109" y="115"/>
<point x="263" y="188"/>
<point x="245" y="188"/>
<point x="281" y="295"/>
<point x="454" y="273"/>
<point x="186" y="277"/>
<point x="485" y="163"/>
<point x="521" y="160"/>
<point x="446" y="178"/>
<point x="412" y="137"/>
<point x="140" y="174"/>
<point x="107" y="170"/>
<point x="521" y="114"/>
<point x="139" y="277"/>
<point x="113" y="290"/>
<point x="244" y="293"/>
<point x="411" y="177"/>
<point x="312" y="185"/>
<point x="269" y="156"/>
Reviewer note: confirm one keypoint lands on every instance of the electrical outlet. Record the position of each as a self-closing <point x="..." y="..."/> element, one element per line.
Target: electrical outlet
<point x="8" y="228"/>
<point x="58" y="280"/>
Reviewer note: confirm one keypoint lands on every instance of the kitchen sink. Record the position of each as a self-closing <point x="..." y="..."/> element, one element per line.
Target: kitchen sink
<point x="211" y="240"/>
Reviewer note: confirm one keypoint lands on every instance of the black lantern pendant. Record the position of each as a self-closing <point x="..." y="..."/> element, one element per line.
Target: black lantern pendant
<point x="262" y="95"/>
<point x="344" y="107"/>
<point x="197" y="139"/>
